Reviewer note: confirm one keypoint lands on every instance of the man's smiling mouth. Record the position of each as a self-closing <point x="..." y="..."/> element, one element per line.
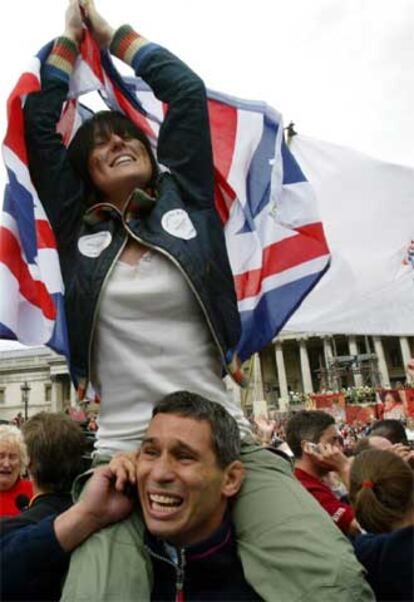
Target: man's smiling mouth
<point x="166" y="504"/>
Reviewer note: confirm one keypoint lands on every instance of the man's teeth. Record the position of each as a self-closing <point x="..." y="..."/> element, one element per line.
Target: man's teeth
<point x="164" y="502"/>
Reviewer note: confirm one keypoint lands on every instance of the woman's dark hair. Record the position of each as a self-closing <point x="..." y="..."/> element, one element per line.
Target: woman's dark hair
<point x="381" y="490"/>
<point x="103" y="124"/>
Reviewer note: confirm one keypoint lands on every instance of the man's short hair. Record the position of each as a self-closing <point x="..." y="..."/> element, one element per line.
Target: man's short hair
<point x="306" y="425"/>
<point x="391" y="429"/>
<point x="55" y="444"/>
<point x="224" y="429"/>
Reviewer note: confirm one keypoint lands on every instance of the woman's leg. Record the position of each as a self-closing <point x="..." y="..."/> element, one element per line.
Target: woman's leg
<point x="289" y="547"/>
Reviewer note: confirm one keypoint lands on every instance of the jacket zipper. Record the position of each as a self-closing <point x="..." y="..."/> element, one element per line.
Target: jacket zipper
<point x="189" y="282"/>
<point x="179" y="570"/>
<point x="179" y="584"/>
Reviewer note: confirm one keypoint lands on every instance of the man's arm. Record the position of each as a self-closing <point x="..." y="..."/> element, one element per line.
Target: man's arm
<point x="29" y="551"/>
<point x="101" y="505"/>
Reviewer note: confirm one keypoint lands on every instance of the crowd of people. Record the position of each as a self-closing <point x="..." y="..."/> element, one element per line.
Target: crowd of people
<point x="182" y="501"/>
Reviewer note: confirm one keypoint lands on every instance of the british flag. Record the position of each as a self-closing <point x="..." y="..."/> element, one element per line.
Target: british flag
<point x="275" y="240"/>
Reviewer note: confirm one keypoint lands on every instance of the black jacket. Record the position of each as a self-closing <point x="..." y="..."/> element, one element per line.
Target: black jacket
<point x="41" y="506"/>
<point x="33" y="565"/>
<point x="207" y="571"/>
<point x="184" y="149"/>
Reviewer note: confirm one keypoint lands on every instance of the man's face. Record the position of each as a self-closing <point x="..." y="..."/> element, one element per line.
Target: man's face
<point x="331" y="436"/>
<point x="180" y="485"/>
<point x="9" y="465"/>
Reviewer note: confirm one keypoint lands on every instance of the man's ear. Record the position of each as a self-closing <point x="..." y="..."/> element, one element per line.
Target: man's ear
<point x="233" y="478"/>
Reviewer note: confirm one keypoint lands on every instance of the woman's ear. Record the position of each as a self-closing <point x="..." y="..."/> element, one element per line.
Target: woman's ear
<point x="233" y="478"/>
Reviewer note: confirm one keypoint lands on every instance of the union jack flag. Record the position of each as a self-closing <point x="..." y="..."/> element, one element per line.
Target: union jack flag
<point x="275" y="240"/>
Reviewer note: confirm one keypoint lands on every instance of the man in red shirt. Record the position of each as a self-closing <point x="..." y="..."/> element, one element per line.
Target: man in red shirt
<point x="315" y="442"/>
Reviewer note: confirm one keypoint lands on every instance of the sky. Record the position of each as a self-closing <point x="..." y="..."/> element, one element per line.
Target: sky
<point x="341" y="70"/>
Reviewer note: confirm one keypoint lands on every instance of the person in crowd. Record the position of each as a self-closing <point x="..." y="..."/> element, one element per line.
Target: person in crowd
<point x="382" y="495"/>
<point x="187" y="475"/>
<point x="55" y="446"/>
<point x="15" y="491"/>
<point x="150" y="296"/>
<point x="391" y="429"/>
<point x="393" y="406"/>
<point x="18" y="420"/>
<point x="371" y="442"/>
<point x="314" y="440"/>
<point x="377" y="442"/>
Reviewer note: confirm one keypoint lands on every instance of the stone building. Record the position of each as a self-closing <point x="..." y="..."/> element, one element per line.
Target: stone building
<point x="291" y="364"/>
<point x="32" y="380"/>
<point x="310" y="364"/>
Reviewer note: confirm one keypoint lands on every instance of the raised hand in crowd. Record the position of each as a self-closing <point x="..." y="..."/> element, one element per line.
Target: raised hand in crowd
<point x="73" y="22"/>
<point x="404" y="451"/>
<point x="332" y="457"/>
<point x="264" y="429"/>
<point x="100" y="28"/>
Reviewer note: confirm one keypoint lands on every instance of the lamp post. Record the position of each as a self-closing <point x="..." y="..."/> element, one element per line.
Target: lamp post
<point x="25" y="388"/>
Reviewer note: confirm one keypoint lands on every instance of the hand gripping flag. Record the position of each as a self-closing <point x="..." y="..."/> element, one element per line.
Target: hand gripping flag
<point x="275" y="241"/>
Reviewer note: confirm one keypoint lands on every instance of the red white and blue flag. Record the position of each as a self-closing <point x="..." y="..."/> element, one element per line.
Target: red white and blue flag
<point x="275" y="240"/>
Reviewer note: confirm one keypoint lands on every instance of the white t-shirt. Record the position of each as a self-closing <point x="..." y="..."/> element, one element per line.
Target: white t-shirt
<point x="151" y="339"/>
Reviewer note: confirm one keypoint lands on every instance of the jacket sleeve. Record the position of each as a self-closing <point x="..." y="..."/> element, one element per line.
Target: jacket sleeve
<point x="184" y="143"/>
<point x="58" y="187"/>
<point x="25" y="553"/>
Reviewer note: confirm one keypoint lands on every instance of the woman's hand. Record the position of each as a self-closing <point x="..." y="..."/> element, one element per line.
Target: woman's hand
<point x="123" y="467"/>
<point x="100" y="28"/>
<point x="73" y="22"/>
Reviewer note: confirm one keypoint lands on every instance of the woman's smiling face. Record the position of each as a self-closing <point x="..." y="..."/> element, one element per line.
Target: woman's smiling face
<point x="117" y="164"/>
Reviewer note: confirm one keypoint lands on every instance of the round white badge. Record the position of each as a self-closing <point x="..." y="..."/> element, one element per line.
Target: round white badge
<point x="177" y="222"/>
<point x="92" y="245"/>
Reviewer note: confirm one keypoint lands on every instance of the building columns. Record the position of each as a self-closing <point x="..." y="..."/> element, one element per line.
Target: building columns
<point x="305" y="367"/>
<point x="57" y="395"/>
<point x="353" y="350"/>
<point x="406" y="354"/>
<point x="281" y="375"/>
<point x="382" y="364"/>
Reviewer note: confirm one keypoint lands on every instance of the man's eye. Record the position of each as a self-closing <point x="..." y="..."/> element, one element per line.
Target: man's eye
<point x="184" y="456"/>
<point x="149" y="451"/>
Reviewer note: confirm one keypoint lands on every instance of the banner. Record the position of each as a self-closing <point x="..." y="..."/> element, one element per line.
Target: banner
<point x="332" y="403"/>
<point x="367" y="208"/>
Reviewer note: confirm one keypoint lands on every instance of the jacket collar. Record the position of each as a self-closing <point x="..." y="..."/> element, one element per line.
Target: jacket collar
<point x="220" y="540"/>
<point x="138" y="204"/>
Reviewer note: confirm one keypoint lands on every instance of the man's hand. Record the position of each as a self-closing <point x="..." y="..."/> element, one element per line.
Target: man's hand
<point x="332" y="457"/>
<point x="124" y="467"/>
<point x="265" y="428"/>
<point x="73" y="22"/>
<point x="100" y="28"/>
<point x="101" y="505"/>
<point x="404" y="451"/>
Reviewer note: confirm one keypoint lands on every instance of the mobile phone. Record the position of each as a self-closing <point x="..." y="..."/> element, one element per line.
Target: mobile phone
<point x="313" y="447"/>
